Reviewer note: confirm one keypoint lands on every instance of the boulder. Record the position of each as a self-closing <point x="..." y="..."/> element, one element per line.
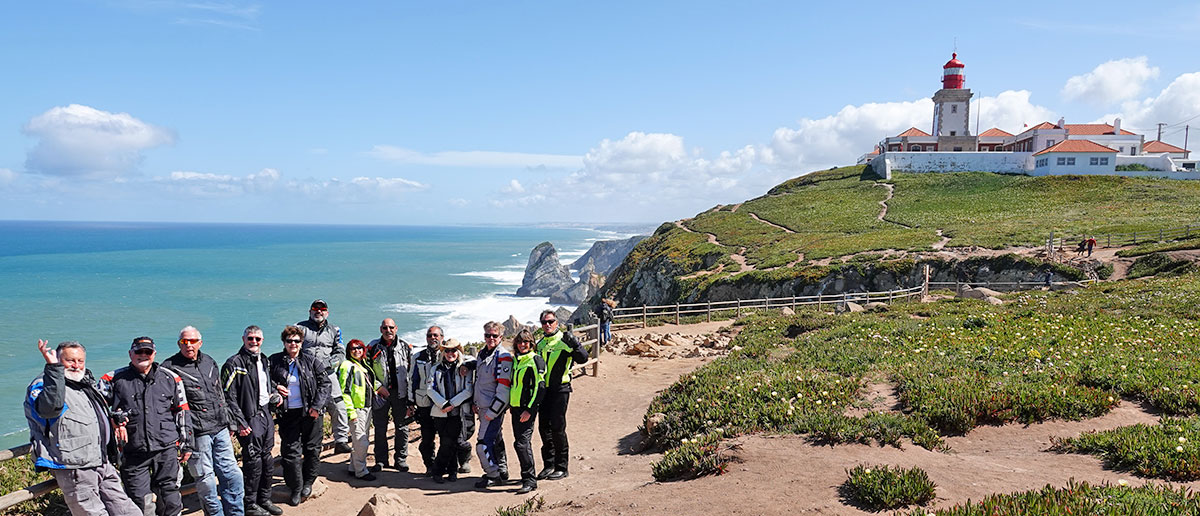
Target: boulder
<point x="512" y="326"/>
<point x="386" y="504"/>
<point x="643" y="348"/>
<point x="544" y="275"/>
<point x="653" y="422"/>
<point x="987" y="292"/>
<point x="850" y="306"/>
<point x="787" y="310"/>
<point x="970" y="293"/>
<point x="876" y="306"/>
<point x="563" y="315"/>
<point x="993" y="300"/>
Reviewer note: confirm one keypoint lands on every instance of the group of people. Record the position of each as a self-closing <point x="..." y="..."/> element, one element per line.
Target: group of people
<point x="116" y="445"/>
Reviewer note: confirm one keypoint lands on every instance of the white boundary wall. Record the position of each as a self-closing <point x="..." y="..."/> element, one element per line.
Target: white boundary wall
<point x="932" y="162"/>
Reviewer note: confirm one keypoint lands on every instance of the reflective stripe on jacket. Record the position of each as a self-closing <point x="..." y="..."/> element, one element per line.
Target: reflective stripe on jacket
<point x="528" y="382"/>
<point x="560" y="351"/>
<point x="357" y="384"/>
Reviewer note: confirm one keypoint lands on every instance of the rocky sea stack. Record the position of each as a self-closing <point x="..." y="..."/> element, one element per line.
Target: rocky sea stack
<point x="544" y="274"/>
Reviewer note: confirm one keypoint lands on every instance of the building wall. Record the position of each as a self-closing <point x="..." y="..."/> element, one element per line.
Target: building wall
<point x="952" y="112"/>
<point x="1126" y="144"/>
<point x="1158" y="161"/>
<point x="1080" y="166"/>
<point x="922" y="162"/>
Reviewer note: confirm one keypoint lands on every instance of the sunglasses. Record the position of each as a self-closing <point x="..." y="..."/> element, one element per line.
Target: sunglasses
<point x="357" y="348"/>
<point x="491" y="335"/>
<point x="189" y="341"/>
<point x="319" y="309"/>
<point x="433" y="335"/>
<point x="388" y="327"/>
<point x="144" y="352"/>
<point x="251" y="339"/>
<point x="549" y="321"/>
<point x="294" y="341"/>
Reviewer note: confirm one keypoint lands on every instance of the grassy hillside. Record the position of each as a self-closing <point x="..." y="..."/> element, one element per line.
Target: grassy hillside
<point x="834" y="213"/>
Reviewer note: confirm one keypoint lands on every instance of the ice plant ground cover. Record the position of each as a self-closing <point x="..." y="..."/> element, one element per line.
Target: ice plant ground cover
<point x="1080" y="499"/>
<point x="1169" y="450"/>
<point x="954" y="364"/>
<point x="885" y="487"/>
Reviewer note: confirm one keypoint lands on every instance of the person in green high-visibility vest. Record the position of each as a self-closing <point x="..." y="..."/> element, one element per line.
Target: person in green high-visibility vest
<point x="524" y="400"/>
<point x="560" y="350"/>
<point x="358" y="385"/>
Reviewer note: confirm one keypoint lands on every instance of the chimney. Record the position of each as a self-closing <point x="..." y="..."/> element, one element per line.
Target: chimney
<point x="1062" y="123"/>
<point x="1117" y="126"/>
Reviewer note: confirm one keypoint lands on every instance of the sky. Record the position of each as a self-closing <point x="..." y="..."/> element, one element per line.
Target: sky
<point x="397" y="112"/>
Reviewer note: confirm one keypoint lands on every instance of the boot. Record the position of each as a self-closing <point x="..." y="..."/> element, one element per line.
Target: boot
<point x="527" y="486"/>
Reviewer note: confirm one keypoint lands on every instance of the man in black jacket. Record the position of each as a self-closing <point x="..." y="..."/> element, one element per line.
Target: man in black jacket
<point x="300" y="379"/>
<point x="150" y="412"/>
<point x="248" y="391"/>
<point x="213" y="460"/>
<point x="561" y="351"/>
<point x="391" y="360"/>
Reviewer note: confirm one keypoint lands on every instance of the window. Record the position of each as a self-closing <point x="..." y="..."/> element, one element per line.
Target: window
<point x="1062" y="161"/>
<point x="953" y="108"/>
<point x="914" y="148"/>
<point x="958" y="149"/>
<point x="1070" y="161"/>
<point x="1094" y="161"/>
<point x="1049" y="143"/>
<point x="1103" y="161"/>
<point x="1133" y="151"/>
<point x="1122" y="149"/>
<point x="953" y="133"/>
<point x="1042" y="162"/>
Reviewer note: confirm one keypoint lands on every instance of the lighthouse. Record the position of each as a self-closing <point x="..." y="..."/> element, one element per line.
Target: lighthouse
<point x="952" y="109"/>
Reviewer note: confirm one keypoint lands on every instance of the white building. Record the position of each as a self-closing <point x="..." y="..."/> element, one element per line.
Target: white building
<point x="1079" y="157"/>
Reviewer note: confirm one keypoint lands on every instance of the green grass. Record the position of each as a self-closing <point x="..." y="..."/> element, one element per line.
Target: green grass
<point x="881" y="487"/>
<point x="17" y="474"/>
<point x="1040" y="356"/>
<point x="1157" y="263"/>
<point x="1080" y="499"/>
<point x="833" y="214"/>
<point x="1169" y="450"/>
<point x="1157" y="247"/>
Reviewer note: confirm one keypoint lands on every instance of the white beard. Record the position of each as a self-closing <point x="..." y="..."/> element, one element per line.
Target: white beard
<point x="74" y="376"/>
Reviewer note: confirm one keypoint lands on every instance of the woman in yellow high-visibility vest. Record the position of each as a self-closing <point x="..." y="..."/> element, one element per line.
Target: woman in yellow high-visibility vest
<point x="524" y="399"/>
<point x="358" y="390"/>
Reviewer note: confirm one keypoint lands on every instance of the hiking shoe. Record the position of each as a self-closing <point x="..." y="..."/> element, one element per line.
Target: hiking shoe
<point x="252" y="509"/>
<point x="341" y="447"/>
<point x="527" y="487"/>
<point x="465" y="468"/>
<point x="487" y="482"/>
<point x="271" y="508"/>
<point x="306" y="491"/>
<point x="295" y="498"/>
<point x="401" y="466"/>
<point x="557" y="475"/>
<point x="378" y="467"/>
<point x="368" y="477"/>
<point x="546" y="472"/>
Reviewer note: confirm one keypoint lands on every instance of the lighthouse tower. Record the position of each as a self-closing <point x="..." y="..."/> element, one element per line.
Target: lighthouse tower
<point x="952" y="110"/>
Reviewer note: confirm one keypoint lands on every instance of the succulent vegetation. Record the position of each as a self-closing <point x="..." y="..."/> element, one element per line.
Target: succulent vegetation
<point x="955" y="364"/>
<point x="1080" y="498"/>
<point x="1169" y="450"/>
<point x="886" y="487"/>
<point x="17" y="474"/>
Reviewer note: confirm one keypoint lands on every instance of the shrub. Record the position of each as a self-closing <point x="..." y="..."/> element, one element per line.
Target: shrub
<point x="1080" y="498"/>
<point x="692" y="458"/>
<point x="884" y="487"/>
<point x="1154" y="264"/>
<point x="532" y="505"/>
<point x="1169" y="450"/>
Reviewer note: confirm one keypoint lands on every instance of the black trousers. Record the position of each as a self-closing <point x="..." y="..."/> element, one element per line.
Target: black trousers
<point x="300" y="446"/>
<point x="523" y="445"/>
<point x="394" y="410"/>
<point x="466" y="436"/>
<point x="428" y="434"/>
<point x="448" y="430"/>
<point x="257" y="467"/>
<point x="153" y="472"/>
<point x="552" y="426"/>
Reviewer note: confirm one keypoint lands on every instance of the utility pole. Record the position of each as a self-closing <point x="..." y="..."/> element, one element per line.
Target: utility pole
<point x="1160" y="126"/>
<point x="1185" y="135"/>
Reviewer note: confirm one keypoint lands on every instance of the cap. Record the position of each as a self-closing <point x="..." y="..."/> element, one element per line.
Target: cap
<point x="319" y="303"/>
<point x="451" y="344"/>
<point x="142" y="343"/>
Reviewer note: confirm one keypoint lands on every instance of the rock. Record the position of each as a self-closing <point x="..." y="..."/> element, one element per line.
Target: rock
<point x="993" y="300"/>
<point x="280" y="493"/>
<point x="606" y="255"/>
<point x="853" y="307"/>
<point x="653" y="422"/>
<point x="386" y="504"/>
<point x="512" y="326"/>
<point x="787" y="310"/>
<point x="563" y="316"/>
<point x="579" y="293"/>
<point x="544" y="275"/>
<point x="643" y="349"/>
<point x="970" y="293"/>
<point x="876" y="306"/>
<point x="987" y="292"/>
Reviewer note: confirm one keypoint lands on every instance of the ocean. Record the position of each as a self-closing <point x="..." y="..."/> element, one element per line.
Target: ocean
<point x="105" y="283"/>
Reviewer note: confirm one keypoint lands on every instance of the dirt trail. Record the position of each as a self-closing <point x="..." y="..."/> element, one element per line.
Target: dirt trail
<point x="772" y="224"/>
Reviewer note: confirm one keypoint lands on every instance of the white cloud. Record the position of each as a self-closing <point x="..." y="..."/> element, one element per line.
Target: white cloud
<point x="1178" y="101"/>
<point x="514" y="186"/>
<point x="7" y="176"/>
<point x="479" y="159"/>
<point x="1111" y="82"/>
<point x="841" y="138"/>
<point x="81" y="141"/>
<point x="268" y="180"/>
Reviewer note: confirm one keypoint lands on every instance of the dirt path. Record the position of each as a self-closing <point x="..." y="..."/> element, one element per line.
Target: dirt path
<point x="772" y="224"/>
<point x="940" y="244"/>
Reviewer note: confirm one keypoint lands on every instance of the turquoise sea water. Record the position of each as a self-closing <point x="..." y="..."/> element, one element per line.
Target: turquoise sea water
<point x="105" y="283"/>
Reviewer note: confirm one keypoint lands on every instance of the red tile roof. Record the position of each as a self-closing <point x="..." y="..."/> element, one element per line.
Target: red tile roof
<point x="1092" y="129"/>
<point x="1043" y="125"/>
<point x="1076" y="146"/>
<point x="995" y="132"/>
<point x="913" y="131"/>
<point x="1157" y="146"/>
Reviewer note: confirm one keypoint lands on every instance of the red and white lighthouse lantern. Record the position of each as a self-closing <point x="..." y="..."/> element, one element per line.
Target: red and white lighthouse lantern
<point x="952" y="74"/>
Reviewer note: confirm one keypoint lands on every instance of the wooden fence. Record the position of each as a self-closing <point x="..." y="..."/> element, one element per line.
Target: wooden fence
<point x="1123" y="239"/>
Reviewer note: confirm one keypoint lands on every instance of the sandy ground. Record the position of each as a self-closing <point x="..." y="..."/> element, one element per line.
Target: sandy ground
<point x="770" y="474"/>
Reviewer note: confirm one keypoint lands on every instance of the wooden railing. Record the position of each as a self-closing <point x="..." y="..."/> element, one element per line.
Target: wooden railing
<point x="1068" y="243"/>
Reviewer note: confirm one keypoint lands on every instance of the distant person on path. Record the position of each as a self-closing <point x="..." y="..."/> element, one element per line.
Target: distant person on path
<point x="1081" y="247"/>
<point x="251" y="399"/>
<point x="213" y="460"/>
<point x="153" y="425"/>
<point x="423" y="363"/>
<point x="560" y="350"/>
<point x="493" y="379"/>
<point x="604" y="316"/>
<point x="358" y="391"/>
<point x="391" y="360"/>
<point x="450" y="390"/>
<point x="324" y="341"/>
<point x="64" y="405"/>
<point x="300" y="379"/>
<point x="525" y="397"/>
<point x="1091" y="243"/>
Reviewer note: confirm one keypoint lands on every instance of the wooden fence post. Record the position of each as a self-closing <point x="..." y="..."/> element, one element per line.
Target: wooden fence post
<point x="1135" y="238"/>
<point x="739" y="308"/>
<point x="708" y="312"/>
<point x="1160" y="234"/>
<point x="645" y="321"/>
<point x="676" y="314"/>
<point x="1109" y="244"/>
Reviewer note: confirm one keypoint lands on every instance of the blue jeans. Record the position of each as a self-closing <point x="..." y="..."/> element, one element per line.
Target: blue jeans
<point x="606" y="326"/>
<point x="214" y="461"/>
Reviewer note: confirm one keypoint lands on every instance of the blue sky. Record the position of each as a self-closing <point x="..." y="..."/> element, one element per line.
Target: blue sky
<point x="524" y="112"/>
